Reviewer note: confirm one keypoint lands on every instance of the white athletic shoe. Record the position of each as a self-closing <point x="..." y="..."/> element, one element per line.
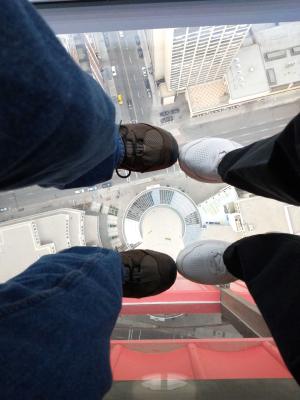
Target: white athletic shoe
<point x="202" y="262"/>
<point x="200" y="159"/>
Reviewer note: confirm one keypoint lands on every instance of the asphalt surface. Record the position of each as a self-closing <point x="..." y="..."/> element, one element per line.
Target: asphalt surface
<point x="129" y="81"/>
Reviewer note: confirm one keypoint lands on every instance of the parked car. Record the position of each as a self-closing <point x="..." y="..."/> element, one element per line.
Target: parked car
<point x="120" y="99"/>
<point x="114" y="71"/>
<point x="78" y="191"/>
<point x="92" y="189"/>
<point x="106" y="184"/>
<point x="147" y="83"/>
<point x="140" y="52"/>
<point x="137" y="40"/>
<point x="129" y="104"/>
<point x="166" y="119"/>
<point x="145" y="73"/>
<point x="175" y="111"/>
<point x="163" y="113"/>
<point x="121" y="33"/>
<point x="149" y="93"/>
<point x="3" y="209"/>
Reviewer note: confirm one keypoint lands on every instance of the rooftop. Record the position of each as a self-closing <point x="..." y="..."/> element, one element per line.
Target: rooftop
<point x="277" y="216"/>
<point x="247" y="77"/>
<point x="163" y="219"/>
<point x="280" y="47"/>
<point x="205" y="96"/>
<point x="42" y="234"/>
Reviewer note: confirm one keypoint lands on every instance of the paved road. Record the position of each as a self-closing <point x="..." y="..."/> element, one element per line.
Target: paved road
<point x="129" y="81"/>
<point x="259" y="126"/>
<point x="245" y="125"/>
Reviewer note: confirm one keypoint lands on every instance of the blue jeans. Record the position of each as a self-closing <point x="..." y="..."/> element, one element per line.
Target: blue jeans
<point x="57" y="128"/>
<point x="56" y="319"/>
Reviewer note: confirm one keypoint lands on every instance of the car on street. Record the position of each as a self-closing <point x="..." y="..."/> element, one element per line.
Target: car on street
<point x="137" y="40"/>
<point x="3" y="209"/>
<point x="175" y="111"/>
<point x="145" y="73"/>
<point x="78" y="191"/>
<point x="120" y="99"/>
<point x="92" y="189"/>
<point x="147" y="83"/>
<point x="114" y="71"/>
<point x="164" y="113"/>
<point x="149" y="93"/>
<point x="121" y="33"/>
<point x="166" y="119"/>
<point x="140" y="52"/>
<point x="129" y="104"/>
<point x="106" y="184"/>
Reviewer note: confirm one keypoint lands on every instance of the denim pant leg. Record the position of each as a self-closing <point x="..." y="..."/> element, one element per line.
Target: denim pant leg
<point x="270" y="266"/>
<point x="56" y="121"/>
<point x="56" y="319"/>
<point x="104" y="170"/>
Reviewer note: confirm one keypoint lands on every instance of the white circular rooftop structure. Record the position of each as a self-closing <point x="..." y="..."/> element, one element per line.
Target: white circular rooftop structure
<point x="163" y="219"/>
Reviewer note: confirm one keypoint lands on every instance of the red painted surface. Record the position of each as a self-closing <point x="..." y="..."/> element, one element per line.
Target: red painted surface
<point x="196" y="359"/>
<point x="183" y="296"/>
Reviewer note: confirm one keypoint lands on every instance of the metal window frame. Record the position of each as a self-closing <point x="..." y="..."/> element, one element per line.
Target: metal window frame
<point x="71" y="16"/>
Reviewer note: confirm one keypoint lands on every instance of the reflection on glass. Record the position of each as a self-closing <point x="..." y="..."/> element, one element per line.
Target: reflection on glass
<point x="223" y="81"/>
<point x="240" y="82"/>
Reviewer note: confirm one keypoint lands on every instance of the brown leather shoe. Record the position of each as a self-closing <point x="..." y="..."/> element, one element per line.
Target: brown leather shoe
<point x="147" y="273"/>
<point x="147" y="148"/>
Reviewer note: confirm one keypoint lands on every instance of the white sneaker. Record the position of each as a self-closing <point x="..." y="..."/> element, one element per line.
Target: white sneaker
<point x="200" y="159"/>
<point x="202" y="262"/>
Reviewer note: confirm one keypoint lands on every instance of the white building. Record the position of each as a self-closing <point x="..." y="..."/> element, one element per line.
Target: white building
<point x="280" y="47"/>
<point x="192" y="56"/>
<point x="23" y="241"/>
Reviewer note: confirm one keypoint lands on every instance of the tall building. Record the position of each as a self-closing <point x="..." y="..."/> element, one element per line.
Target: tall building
<point x="192" y="56"/>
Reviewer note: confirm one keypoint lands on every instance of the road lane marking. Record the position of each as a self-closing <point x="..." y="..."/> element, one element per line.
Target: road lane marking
<point x="130" y="90"/>
<point x="138" y="93"/>
<point x="253" y="131"/>
<point x="134" y="78"/>
<point x="130" y="60"/>
<point x="272" y="128"/>
<point x="142" y="111"/>
<point x="255" y="126"/>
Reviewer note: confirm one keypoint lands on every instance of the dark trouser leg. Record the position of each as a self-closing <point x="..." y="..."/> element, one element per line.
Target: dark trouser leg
<point x="269" y="167"/>
<point x="270" y="266"/>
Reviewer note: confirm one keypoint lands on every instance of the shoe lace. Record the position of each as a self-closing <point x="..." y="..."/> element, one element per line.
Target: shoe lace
<point x="132" y="271"/>
<point x="137" y="146"/>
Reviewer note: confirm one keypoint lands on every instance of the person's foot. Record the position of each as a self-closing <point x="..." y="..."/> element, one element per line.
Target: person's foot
<point x="200" y="159"/>
<point x="147" y="148"/>
<point x="147" y="273"/>
<point x="202" y="262"/>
